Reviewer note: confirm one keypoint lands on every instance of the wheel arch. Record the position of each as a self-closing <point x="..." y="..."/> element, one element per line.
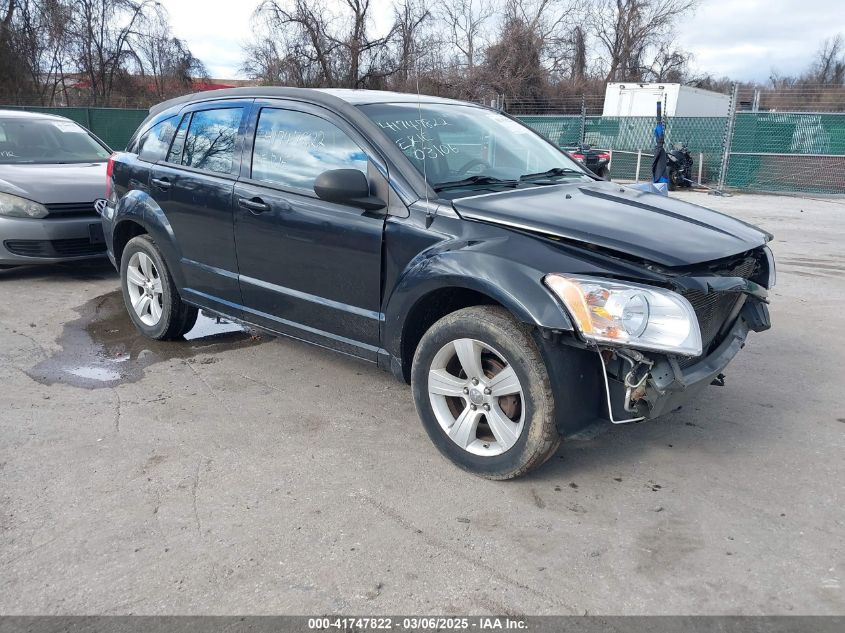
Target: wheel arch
<point x="421" y="299"/>
<point x="138" y="214"/>
<point x="430" y="308"/>
<point x="124" y="231"/>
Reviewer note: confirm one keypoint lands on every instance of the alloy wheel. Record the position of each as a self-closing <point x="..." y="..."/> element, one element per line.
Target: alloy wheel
<point x="145" y="288"/>
<point x="476" y="397"/>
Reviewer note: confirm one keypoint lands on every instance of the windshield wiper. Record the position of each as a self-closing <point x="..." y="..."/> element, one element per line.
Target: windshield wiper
<point x="474" y="180"/>
<point x="551" y="173"/>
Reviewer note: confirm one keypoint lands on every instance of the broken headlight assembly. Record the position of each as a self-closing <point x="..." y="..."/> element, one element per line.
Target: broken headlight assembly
<point x="630" y="315"/>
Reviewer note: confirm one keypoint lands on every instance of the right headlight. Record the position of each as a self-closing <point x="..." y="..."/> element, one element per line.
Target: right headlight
<point x="770" y="261"/>
<point x="17" y="207"/>
<point x="632" y="315"/>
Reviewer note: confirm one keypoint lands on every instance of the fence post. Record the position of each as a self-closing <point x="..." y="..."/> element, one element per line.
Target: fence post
<point x="583" y="131"/>
<point x="727" y="140"/>
<point x="639" y="160"/>
<point x="700" y="166"/>
<point x="88" y="118"/>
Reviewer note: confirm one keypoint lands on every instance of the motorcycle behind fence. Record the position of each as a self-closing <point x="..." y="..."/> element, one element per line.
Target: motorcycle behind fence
<point x="679" y="165"/>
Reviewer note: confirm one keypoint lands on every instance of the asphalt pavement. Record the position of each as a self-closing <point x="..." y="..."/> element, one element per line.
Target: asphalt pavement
<point x="243" y="474"/>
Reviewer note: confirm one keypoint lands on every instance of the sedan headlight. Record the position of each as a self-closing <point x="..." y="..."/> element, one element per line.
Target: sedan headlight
<point x="16" y="207"/>
<point x="633" y="315"/>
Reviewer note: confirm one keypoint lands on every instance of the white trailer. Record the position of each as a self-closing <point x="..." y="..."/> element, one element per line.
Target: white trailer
<point x="635" y="99"/>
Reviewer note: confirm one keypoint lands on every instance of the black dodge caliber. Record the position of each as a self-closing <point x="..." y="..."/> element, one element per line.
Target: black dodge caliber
<point x="520" y="296"/>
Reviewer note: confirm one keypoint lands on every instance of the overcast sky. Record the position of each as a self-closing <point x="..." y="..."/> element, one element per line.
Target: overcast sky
<point x="744" y="39"/>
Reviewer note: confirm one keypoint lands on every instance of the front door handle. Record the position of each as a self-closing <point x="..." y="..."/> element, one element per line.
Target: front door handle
<point x="255" y="205"/>
<point x="161" y="183"/>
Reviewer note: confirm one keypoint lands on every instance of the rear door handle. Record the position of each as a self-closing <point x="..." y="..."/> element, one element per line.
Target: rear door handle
<point x="161" y="183"/>
<point x="256" y="205"/>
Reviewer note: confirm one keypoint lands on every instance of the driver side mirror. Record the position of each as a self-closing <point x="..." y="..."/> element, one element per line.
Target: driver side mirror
<point x="347" y="186"/>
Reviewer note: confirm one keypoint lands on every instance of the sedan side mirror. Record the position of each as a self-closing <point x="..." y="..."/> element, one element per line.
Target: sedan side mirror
<point x="347" y="186"/>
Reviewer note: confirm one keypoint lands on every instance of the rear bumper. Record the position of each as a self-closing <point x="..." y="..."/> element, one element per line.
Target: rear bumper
<point x="25" y="241"/>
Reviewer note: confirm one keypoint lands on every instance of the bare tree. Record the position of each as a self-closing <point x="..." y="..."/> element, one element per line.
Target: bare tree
<point x="9" y="75"/>
<point x="303" y="41"/>
<point x="829" y="65"/>
<point x="409" y="18"/>
<point x="466" y="22"/>
<point x="54" y="51"/>
<point x="669" y="64"/>
<point x="578" y="43"/>
<point x="165" y="61"/>
<point x="102" y="32"/>
<point x="514" y="61"/>
<point x="627" y="30"/>
<point x="33" y="49"/>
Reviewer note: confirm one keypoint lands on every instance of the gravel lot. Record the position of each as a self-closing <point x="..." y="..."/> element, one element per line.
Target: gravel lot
<point x="233" y="475"/>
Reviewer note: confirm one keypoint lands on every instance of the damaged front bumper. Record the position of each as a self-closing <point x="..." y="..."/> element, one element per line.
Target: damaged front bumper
<point x="646" y="385"/>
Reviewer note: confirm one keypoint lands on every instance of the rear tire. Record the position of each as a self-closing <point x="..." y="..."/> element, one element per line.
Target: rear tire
<point x="483" y="393"/>
<point x="150" y="295"/>
<point x="676" y="179"/>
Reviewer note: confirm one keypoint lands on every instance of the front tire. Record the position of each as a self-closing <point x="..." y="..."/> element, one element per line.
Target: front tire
<point x="150" y="295"/>
<point x="483" y="393"/>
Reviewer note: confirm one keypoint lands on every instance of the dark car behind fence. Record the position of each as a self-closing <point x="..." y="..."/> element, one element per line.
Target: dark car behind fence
<point x="796" y="152"/>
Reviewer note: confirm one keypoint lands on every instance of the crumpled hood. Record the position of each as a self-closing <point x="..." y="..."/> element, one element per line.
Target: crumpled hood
<point x="77" y="182"/>
<point x="663" y="230"/>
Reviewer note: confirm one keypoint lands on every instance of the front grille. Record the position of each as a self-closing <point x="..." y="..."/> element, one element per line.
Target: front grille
<point x="71" y="209"/>
<point x="54" y="248"/>
<point x="714" y="308"/>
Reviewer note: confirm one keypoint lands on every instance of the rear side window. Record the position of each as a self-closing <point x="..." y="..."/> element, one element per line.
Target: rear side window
<point x="156" y="140"/>
<point x="293" y="148"/>
<point x="210" y="141"/>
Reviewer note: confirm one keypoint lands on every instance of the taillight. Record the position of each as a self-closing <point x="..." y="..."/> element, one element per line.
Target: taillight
<point x="578" y="156"/>
<point x="603" y="156"/>
<point x="109" y="171"/>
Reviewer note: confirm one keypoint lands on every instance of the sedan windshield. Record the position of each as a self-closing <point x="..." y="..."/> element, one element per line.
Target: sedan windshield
<point x="461" y="148"/>
<point x="27" y="141"/>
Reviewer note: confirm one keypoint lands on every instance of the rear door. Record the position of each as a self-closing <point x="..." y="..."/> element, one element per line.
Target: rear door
<point x="307" y="267"/>
<point x="194" y="186"/>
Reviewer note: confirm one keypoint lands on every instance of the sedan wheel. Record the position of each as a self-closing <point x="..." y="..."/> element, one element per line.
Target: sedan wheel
<point x="143" y="283"/>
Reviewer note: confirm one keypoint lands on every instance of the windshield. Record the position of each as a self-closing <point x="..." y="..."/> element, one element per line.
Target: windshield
<point x="460" y="148"/>
<point x="27" y="141"/>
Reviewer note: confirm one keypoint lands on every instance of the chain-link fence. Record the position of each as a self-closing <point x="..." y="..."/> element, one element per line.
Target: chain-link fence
<point x="631" y="140"/>
<point x="775" y="151"/>
<point x="800" y="152"/>
<point x="767" y="151"/>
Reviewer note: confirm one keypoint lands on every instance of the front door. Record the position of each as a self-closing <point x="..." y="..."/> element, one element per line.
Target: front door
<point x="309" y="268"/>
<point x="194" y="186"/>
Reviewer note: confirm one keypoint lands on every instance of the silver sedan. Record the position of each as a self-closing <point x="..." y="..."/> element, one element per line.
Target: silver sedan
<point x="52" y="175"/>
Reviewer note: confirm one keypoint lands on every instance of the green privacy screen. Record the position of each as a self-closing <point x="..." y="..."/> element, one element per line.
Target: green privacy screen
<point x="769" y="151"/>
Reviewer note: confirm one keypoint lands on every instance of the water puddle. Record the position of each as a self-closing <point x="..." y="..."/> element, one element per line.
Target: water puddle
<point x="102" y="348"/>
